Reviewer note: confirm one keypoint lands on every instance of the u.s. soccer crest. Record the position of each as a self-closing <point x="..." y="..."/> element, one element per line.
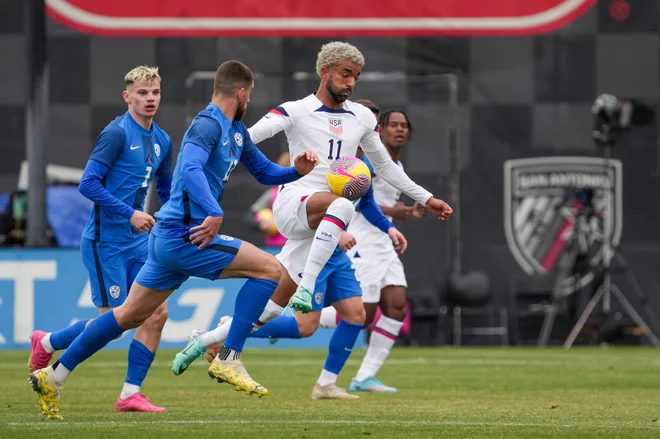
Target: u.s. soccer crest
<point x="550" y="200"/>
<point x="336" y="127"/>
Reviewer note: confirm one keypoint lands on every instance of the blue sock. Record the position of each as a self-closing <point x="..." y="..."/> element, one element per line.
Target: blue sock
<point x="250" y="303"/>
<point x="63" y="338"/>
<point x="139" y="362"/>
<point x="100" y="331"/>
<point x="341" y="344"/>
<point x="279" y="327"/>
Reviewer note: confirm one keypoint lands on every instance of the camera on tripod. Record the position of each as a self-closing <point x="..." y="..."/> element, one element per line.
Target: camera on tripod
<point x="613" y="116"/>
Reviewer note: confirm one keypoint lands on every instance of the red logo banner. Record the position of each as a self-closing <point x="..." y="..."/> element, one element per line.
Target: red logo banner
<point x="309" y="18"/>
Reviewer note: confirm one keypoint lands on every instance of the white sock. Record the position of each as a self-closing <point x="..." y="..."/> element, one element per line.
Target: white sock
<point x="326" y="238"/>
<point x="381" y="342"/>
<point x="327" y="378"/>
<point x="45" y="343"/>
<point x="218" y="335"/>
<point x="129" y="390"/>
<point x="271" y="311"/>
<point x="329" y="317"/>
<point x="60" y="373"/>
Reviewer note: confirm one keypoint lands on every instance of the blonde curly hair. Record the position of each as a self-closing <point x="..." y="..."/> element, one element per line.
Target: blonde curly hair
<point x="335" y="52"/>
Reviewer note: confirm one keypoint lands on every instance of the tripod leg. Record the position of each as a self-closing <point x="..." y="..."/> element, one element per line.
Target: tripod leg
<point x="633" y="314"/>
<point x="583" y="318"/>
<point x="548" y="322"/>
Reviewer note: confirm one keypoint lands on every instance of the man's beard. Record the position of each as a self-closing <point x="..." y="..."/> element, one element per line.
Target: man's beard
<point x="240" y="112"/>
<point x="335" y="95"/>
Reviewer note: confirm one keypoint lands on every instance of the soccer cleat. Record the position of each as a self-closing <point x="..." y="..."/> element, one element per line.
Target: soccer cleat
<point x="137" y="403"/>
<point x="190" y="353"/>
<point x="331" y="391"/>
<point x="39" y="357"/>
<point x="214" y="350"/>
<point x="44" y="384"/>
<point x="233" y="372"/>
<point x="301" y="300"/>
<point x="370" y="384"/>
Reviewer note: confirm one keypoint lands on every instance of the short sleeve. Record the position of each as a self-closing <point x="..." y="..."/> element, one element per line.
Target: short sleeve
<point x="204" y="132"/>
<point x="109" y="145"/>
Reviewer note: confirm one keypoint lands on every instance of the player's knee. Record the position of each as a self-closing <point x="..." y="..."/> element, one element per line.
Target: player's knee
<point x="395" y="311"/>
<point x="342" y="209"/>
<point x="307" y="327"/>
<point x="271" y="269"/>
<point x="158" y="319"/>
<point x="128" y="317"/>
<point x="356" y="316"/>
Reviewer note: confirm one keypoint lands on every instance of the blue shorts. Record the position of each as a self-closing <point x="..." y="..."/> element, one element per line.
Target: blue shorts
<point x="173" y="260"/>
<point x="112" y="267"/>
<point x="335" y="282"/>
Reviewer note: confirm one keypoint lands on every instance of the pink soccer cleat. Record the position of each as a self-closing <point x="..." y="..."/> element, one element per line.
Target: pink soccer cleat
<point x="39" y="358"/>
<point x="137" y="403"/>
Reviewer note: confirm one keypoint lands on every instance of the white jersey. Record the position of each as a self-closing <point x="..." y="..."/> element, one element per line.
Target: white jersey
<point x="372" y="243"/>
<point x="332" y="133"/>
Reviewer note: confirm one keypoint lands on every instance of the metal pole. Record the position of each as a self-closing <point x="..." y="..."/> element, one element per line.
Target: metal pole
<point x="36" y="118"/>
<point x="454" y="178"/>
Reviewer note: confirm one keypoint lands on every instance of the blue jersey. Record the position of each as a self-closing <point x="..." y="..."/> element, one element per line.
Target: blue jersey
<point x="132" y="155"/>
<point x="211" y="149"/>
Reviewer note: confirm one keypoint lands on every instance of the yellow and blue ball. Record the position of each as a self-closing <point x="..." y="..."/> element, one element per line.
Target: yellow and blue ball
<point x="349" y="177"/>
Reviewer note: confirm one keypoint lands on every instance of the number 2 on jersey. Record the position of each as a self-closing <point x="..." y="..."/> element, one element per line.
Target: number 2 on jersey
<point x="332" y="142"/>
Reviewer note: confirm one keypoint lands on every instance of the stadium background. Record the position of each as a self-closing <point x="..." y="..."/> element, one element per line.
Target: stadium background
<point x="522" y="96"/>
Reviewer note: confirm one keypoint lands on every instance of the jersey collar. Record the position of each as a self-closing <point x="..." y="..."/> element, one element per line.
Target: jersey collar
<point x="138" y="126"/>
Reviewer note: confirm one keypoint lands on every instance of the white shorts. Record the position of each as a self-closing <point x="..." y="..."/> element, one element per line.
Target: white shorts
<point x="290" y="212"/>
<point x="293" y="257"/>
<point x="376" y="275"/>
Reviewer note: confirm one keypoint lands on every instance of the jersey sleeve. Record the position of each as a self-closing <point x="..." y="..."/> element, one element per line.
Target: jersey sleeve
<point x="384" y="165"/>
<point x="164" y="176"/>
<point x="278" y="119"/>
<point x="109" y="145"/>
<point x="265" y="171"/>
<point x="204" y="132"/>
<point x="370" y="209"/>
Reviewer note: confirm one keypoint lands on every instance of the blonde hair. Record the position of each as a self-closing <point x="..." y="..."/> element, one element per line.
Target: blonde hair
<point x="142" y="74"/>
<point x="335" y="52"/>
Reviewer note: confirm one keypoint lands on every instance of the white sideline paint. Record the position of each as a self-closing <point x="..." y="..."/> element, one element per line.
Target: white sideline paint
<point x="614" y="425"/>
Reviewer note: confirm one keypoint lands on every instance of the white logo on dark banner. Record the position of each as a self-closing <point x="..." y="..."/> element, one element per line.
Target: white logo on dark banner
<point x="550" y="200"/>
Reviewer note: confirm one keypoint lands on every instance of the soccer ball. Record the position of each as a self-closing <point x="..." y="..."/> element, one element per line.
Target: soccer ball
<point x="266" y="222"/>
<point x="349" y="177"/>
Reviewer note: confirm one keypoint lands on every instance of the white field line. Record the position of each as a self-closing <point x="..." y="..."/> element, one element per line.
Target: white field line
<point x="269" y="422"/>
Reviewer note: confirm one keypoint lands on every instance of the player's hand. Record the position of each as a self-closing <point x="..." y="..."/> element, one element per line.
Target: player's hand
<point x="204" y="233"/>
<point x="400" y="211"/>
<point x="347" y="241"/>
<point x="305" y="162"/>
<point x="400" y="242"/>
<point x="439" y="208"/>
<point x="417" y="210"/>
<point x="142" y="222"/>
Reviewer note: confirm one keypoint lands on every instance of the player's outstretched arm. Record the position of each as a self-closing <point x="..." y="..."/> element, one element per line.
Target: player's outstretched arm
<point x="164" y="177"/>
<point x="376" y="216"/>
<point x="394" y="175"/>
<point x="276" y="120"/>
<point x="269" y="173"/>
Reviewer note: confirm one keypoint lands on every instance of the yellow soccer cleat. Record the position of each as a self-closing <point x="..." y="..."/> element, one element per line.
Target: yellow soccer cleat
<point x="233" y="372"/>
<point x="44" y="384"/>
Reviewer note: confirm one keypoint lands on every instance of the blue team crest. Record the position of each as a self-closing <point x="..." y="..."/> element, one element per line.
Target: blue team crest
<point x="239" y="139"/>
<point x="319" y="298"/>
<point x="157" y="149"/>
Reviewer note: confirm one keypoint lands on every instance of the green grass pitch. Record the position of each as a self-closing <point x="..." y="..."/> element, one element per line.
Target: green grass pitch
<point x="443" y="393"/>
